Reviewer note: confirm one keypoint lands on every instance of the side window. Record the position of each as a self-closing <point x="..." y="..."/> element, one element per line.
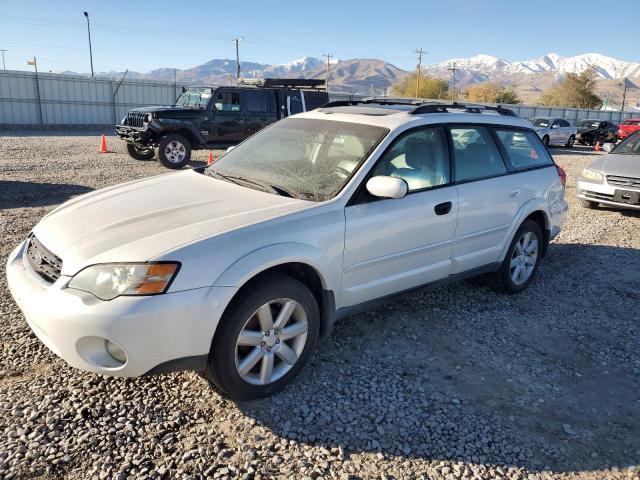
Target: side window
<point x="564" y="123"/>
<point x="475" y="154"/>
<point x="524" y="149"/>
<point x="556" y="124"/>
<point x="256" y="101"/>
<point x="419" y="157"/>
<point x="227" y="101"/>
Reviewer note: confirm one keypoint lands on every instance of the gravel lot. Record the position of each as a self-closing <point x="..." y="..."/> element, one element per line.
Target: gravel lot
<point x="458" y="382"/>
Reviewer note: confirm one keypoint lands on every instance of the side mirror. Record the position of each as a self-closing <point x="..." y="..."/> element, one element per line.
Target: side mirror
<point x="387" y="187"/>
<point x="607" y="147"/>
<point x="230" y="148"/>
<point x="555" y="125"/>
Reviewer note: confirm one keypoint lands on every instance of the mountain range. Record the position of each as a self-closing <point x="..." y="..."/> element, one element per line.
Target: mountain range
<point x="374" y="77"/>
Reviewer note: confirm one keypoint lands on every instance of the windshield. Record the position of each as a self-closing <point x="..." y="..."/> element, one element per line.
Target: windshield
<point x="194" y="98"/>
<point x="541" y="122"/>
<point x="629" y="146"/>
<point x="300" y="157"/>
<point x="589" y="123"/>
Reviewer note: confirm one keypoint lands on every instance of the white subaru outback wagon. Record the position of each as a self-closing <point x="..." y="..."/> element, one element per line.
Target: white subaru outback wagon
<point x="236" y="269"/>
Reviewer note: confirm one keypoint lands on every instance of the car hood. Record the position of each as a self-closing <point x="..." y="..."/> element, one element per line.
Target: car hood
<point x="139" y="220"/>
<point x="620" y="165"/>
<point x="168" y="110"/>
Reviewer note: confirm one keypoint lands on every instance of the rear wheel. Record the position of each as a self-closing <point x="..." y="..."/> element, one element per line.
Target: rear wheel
<point x="589" y="204"/>
<point x="545" y="140"/>
<point x="571" y="141"/>
<point x="174" y="151"/>
<point x="140" y="153"/>
<point x="521" y="262"/>
<point x="264" y="339"/>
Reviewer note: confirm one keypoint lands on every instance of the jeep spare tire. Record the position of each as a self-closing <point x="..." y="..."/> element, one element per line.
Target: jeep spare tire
<point x="174" y="151"/>
<point x="140" y="153"/>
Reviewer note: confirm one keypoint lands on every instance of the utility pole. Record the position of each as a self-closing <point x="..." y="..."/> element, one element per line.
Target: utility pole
<point x="453" y="71"/>
<point x="86" y="14"/>
<point x="34" y="62"/>
<point x="624" y="93"/>
<point x="418" y="69"/>
<point x="326" y="82"/>
<point x="4" y="67"/>
<point x="236" y="41"/>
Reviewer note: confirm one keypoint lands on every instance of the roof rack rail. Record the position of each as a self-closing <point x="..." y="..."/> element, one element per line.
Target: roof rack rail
<point x="423" y="107"/>
<point x="470" y="108"/>
<point x="283" y="82"/>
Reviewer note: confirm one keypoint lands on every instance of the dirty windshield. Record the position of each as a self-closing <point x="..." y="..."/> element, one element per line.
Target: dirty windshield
<point x="194" y="98"/>
<point x="300" y="157"/>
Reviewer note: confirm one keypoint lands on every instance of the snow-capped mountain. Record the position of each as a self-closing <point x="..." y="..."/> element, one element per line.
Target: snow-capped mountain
<point x="295" y="66"/>
<point x="487" y="67"/>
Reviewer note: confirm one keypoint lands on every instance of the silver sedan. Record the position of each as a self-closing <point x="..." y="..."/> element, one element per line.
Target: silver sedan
<point x="613" y="179"/>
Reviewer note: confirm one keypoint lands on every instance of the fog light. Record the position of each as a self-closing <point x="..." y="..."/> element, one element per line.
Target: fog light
<point x="115" y="351"/>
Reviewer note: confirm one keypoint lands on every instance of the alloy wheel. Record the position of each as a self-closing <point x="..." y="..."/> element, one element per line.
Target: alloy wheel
<point x="524" y="258"/>
<point x="175" y="152"/>
<point x="271" y="341"/>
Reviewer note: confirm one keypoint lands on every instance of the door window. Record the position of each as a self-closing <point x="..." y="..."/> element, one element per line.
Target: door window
<point x="524" y="149"/>
<point x="418" y="157"/>
<point x="227" y="101"/>
<point x="475" y="154"/>
<point x="256" y="101"/>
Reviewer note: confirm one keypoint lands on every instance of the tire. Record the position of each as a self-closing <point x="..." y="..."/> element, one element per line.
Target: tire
<point x="572" y="140"/>
<point x="545" y="140"/>
<point x="589" y="204"/>
<point x="503" y="280"/>
<point x="271" y="293"/>
<point x="140" y="153"/>
<point x="174" y="151"/>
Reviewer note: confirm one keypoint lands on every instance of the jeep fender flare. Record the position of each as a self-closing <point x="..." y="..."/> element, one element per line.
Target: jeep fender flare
<point x="163" y="126"/>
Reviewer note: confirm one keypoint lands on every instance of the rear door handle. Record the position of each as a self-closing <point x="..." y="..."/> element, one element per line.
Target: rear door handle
<point x="514" y="193"/>
<point x="442" y="208"/>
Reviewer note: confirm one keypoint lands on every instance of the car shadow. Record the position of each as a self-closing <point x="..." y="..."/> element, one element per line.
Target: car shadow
<point x="547" y="379"/>
<point x="16" y="194"/>
<point x="576" y="150"/>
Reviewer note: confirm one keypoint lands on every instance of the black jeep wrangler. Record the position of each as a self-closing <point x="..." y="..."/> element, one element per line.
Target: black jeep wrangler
<point x="208" y="118"/>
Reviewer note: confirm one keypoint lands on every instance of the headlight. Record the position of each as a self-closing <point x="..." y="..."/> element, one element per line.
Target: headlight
<point x="147" y="118"/>
<point x="109" y="281"/>
<point x="592" y="175"/>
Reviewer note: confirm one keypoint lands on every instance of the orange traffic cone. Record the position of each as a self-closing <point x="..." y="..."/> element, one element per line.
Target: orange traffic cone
<point x="103" y="144"/>
<point x="598" y="148"/>
<point x="210" y="161"/>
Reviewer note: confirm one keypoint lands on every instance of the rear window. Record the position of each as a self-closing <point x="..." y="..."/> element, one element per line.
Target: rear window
<point x="524" y="149"/>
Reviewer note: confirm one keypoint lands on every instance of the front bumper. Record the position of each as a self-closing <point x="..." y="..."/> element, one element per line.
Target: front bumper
<point x="602" y="193"/>
<point x="156" y="332"/>
<point x="129" y="134"/>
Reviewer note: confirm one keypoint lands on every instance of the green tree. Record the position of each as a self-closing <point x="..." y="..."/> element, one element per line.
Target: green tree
<point x="429" y="87"/>
<point x="574" y="91"/>
<point x="492" y="92"/>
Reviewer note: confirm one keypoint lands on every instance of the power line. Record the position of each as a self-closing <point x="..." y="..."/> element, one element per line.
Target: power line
<point x="453" y="71"/>
<point x="237" y="41"/>
<point x="326" y="82"/>
<point x="419" y="67"/>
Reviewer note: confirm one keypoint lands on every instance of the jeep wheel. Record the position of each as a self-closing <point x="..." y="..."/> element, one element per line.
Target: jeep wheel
<point x="140" y="153"/>
<point x="174" y="151"/>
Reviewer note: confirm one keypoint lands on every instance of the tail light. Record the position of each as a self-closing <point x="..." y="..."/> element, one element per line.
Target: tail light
<point x="563" y="176"/>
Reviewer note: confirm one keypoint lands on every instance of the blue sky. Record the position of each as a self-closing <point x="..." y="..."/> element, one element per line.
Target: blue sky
<point x="161" y="33"/>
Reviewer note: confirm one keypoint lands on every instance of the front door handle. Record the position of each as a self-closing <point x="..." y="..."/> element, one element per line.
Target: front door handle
<point x="443" y="208"/>
<point x="514" y="193"/>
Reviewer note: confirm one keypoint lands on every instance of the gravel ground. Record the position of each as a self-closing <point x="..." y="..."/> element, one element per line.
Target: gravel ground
<point x="458" y="382"/>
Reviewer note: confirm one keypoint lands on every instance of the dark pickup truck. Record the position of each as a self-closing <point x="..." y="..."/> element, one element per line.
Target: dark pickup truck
<point x="218" y="117"/>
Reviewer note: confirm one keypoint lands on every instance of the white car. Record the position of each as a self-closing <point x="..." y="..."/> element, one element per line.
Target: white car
<point x="234" y="270"/>
<point x="555" y="131"/>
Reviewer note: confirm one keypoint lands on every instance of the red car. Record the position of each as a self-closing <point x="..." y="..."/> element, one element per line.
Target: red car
<point x="627" y="127"/>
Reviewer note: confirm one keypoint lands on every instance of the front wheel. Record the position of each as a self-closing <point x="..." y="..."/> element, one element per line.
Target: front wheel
<point x="571" y="141"/>
<point x="174" y="151"/>
<point x="521" y="262"/>
<point x="140" y="153"/>
<point x="264" y="339"/>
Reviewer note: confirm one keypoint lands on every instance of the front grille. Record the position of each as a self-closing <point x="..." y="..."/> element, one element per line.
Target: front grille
<point x="135" y="120"/>
<point x="623" y="181"/>
<point x="43" y="261"/>
<point x="598" y="195"/>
